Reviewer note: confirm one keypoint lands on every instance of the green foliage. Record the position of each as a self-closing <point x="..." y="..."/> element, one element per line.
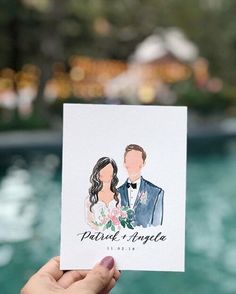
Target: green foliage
<point x="202" y="101"/>
<point x="123" y="222"/>
<point x="130" y="226"/>
<point x="69" y="27"/>
<point x="109" y="224"/>
<point x="48" y="31"/>
<point x="56" y="107"/>
<point x="18" y="123"/>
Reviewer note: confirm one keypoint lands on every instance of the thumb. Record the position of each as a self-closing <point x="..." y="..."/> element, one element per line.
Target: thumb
<point x="98" y="279"/>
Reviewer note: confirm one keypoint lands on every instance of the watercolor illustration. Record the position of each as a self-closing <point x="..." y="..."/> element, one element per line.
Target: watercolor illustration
<point x="104" y="210"/>
<point x="143" y="197"/>
<point x="137" y="202"/>
<point x="123" y="186"/>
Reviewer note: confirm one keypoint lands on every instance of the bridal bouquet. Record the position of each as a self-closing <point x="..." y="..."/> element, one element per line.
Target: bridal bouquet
<point x="116" y="218"/>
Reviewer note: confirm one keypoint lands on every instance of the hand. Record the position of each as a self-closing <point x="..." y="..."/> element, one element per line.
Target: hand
<point x="50" y="279"/>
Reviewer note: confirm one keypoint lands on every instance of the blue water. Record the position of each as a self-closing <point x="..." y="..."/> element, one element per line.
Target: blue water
<point x="30" y="184"/>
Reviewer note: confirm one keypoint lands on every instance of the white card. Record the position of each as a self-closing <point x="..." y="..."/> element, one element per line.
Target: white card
<point x="123" y="186"/>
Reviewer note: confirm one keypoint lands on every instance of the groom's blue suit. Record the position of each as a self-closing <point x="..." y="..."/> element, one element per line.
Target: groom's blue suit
<point x="148" y="207"/>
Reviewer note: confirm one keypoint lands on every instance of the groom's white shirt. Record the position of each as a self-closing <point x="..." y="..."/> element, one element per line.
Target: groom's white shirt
<point x="133" y="193"/>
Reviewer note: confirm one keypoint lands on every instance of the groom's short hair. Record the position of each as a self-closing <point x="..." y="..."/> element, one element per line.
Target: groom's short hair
<point x="135" y="147"/>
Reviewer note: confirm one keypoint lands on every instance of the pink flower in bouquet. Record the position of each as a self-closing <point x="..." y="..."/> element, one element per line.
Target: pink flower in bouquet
<point x="114" y="216"/>
<point x="115" y="220"/>
<point x="123" y="214"/>
<point x="116" y="212"/>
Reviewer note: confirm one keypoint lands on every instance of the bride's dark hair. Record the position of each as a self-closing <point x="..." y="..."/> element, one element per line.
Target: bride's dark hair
<point x="97" y="183"/>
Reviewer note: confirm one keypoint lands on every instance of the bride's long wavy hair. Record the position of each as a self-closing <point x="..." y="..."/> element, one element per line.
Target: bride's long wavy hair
<point x="97" y="183"/>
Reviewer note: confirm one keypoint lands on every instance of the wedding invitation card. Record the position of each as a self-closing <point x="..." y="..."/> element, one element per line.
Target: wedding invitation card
<point x="124" y="186"/>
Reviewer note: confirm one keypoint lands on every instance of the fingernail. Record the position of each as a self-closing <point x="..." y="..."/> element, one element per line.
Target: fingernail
<point x="108" y="262"/>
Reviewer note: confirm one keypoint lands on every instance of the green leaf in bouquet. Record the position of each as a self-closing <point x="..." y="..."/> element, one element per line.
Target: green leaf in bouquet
<point x="129" y="225"/>
<point x="113" y="228"/>
<point x="123" y="222"/>
<point x="109" y="224"/>
<point x="130" y="214"/>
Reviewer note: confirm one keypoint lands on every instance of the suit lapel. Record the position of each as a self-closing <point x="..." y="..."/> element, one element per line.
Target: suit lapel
<point x="141" y="189"/>
<point x="126" y="197"/>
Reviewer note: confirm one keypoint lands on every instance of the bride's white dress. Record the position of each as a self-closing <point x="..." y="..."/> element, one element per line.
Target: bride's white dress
<point x="101" y="213"/>
<point x="101" y="210"/>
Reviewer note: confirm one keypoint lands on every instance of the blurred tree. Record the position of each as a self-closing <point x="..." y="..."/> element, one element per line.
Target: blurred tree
<point x="44" y="31"/>
<point x="51" y="47"/>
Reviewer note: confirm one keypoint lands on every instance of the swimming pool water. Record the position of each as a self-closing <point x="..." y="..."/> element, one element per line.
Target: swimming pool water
<point x="30" y="191"/>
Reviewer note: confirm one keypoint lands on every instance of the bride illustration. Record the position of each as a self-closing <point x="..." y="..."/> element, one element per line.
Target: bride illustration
<point x="104" y="210"/>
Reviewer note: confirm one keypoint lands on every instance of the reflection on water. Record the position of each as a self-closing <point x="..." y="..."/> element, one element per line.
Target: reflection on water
<point x="30" y="222"/>
<point x="211" y="235"/>
<point x="6" y="253"/>
<point x="29" y="213"/>
<point x="18" y="207"/>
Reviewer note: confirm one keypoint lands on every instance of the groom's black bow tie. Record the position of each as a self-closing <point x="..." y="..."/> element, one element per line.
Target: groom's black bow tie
<point x="133" y="185"/>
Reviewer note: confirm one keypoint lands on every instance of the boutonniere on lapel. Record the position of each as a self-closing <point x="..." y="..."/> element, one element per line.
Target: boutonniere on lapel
<point x="143" y="198"/>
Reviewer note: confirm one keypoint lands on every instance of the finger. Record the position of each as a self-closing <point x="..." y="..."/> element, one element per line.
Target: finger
<point x="115" y="278"/>
<point x="52" y="268"/>
<point x="116" y="275"/>
<point x="109" y="287"/>
<point x="44" y="279"/>
<point x="71" y="277"/>
<point x="97" y="279"/>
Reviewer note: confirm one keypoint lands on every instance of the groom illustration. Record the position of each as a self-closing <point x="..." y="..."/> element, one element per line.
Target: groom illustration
<point x="145" y="198"/>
